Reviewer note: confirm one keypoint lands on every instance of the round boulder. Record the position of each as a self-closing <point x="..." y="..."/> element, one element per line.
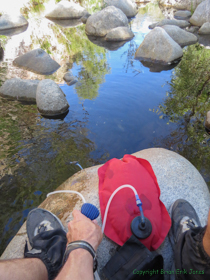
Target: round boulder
<point x="182" y="14"/>
<point x="182" y="37"/>
<point x="179" y="23"/>
<point x="201" y="14"/>
<point x="37" y="61"/>
<point x="22" y="90"/>
<point x="66" y="10"/>
<point x="12" y="21"/>
<point x="205" y="29"/>
<point x="128" y="7"/>
<point x="159" y="46"/>
<point x="100" y="23"/>
<point x="50" y="99"/>
<point x="119" y="34"/>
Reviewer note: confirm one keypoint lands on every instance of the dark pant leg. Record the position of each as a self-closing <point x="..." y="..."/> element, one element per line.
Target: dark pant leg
<point x="191" y="260"/>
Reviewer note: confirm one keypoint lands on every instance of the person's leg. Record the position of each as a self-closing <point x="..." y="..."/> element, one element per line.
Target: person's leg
<point x="206" y="238"/>
<point x="187" y="237"/>
<point x="23" y="269"/>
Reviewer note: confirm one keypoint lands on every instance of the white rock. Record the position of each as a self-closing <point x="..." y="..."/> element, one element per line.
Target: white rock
<point x="12" y="21"/>
<point x="201" y="14"/>
<point x="205" y="29"/>
<point x="128" y="7"/>
<point x="182" y="14"/>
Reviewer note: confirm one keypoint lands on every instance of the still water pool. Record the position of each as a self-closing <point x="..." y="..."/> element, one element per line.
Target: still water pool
<point x="117" y="107"/>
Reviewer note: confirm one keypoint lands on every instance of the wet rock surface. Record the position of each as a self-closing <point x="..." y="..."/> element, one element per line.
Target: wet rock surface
<point x="205" y="29"/>
<point x="18" y="89"/>
<point x="12" y="21"/>
<point x="119" y="34"/>
<point x="37" y="61"/>
<point x="179" y="23"/>
<point x="180" y="36"/>
<point x="128" y="7"/>
<point x="100" y="23"/>
<point x="50" y="99"/>
<point x="66" y="10"/>
<point x="70" y="79"/>
<point x="159" y="46"/>
<point x="176" y="176"/>
<point x="201" y="14"/>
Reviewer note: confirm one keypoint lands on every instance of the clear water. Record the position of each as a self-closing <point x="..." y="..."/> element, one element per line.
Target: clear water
<point x="115" y="109"/>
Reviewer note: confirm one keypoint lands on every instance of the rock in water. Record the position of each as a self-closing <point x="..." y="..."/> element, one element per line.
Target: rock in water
<point x="159" y="46"/>
<point x="182" y="15"/>
<point x="100" y="23"/>
<point x="14" y="21"/>
<point x="22" y="90"/>
<point x="182" y="37"/>
<point x="119" y="34"/>
<point x="201" y="14"/>
<point x="205" y="29"/>
<point x="50" y="99"/>
<point x="128" y="7"/>
<point x="37" y="61"/>
<point x="180" y="23"/>
<point x="66" y="10"/>
<point x="70" y="79"/>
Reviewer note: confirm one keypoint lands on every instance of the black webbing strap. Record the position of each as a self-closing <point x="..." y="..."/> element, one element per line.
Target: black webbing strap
<point x="134" y="261"/>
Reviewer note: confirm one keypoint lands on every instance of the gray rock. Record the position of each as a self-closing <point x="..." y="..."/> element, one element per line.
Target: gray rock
<point x="37" y="61"/>
<point x="84" y="18"/>
<point x="70" y="79"/>
<point x="205" y="29"/>
<point x="201" y="14"/>
<point x="182" y="37"/>
<point x="67" y="22"/>
<point x="180" y="23"/>
<point x="12" y="21"/>
<point x="50" y="99"/>
<point x="207" y="122"/>
<point x="192" y="29"/>
<point x="100" y="23"/>
<point x="181" y="4"/>
<point x="182" y="14"/>
<point x="119" y="34"/>
<point x="66" y="10"/>
<point x="13" y="31"/>
<point x="159" y="46"/>
<point x="101" y="42"/>
<point x="22" y="90"/>
<point x="176" y="176"/>
<point x="128" y="7"/>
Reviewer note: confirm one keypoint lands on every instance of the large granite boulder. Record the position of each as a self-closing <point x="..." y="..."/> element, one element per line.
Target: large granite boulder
<point x="119" y="34"/>
<point x="201" y="14"/>
<point x="66" y="10"/>
<point x="22" y="90"/>
<point x="179" y="23"/>
<point x="205" y="29"/>
<point x="12" y="21"/>
<point x="37" y="61"/>
<point x="128" y="7"/>
<point x="159" y="46"/>
<point x="182" y="37"/>
<point x="100" y="23"/>
<point x="181" y="4"/>
<point x="50" y="99"/>
<point x="176" y="176"/>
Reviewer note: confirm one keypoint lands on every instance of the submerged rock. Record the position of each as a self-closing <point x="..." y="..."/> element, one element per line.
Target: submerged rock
<point x="12" y="21"/>
<point x="119" y="34"/>
<point x="182" y="14"/>
<point x="100" y="23"/>
<point x="201" y="14"/>
<point x="128" y="7"/>
<point x="180" y="23"/>
<point x="159" y="46"/>
<point x="37" y="61"/>
<point x="176" y="176"/>
<point x="50" y="99"/>
<point x="18" y="89"/>
<point x="70" y="79"/>
<point x="205" y="29"/>
<point x="66" y="10"/>
<point x="180" y="36"/>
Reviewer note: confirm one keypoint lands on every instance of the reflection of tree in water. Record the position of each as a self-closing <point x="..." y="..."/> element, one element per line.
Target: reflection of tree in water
<point x="186" y="105"/>
<point x="130" y="54"/>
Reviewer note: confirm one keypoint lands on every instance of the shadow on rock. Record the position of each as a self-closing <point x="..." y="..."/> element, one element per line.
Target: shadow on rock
<point x="101" y="42"/>
<point x="57" y="117"/>
<point x="158" y="67"/>
<point x="13" y="31"/>
<point x="67" y="22"/>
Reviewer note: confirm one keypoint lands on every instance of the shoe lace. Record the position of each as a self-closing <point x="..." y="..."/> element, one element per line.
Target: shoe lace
<point x="190" y="224"/>
<point x="42" y="228"/>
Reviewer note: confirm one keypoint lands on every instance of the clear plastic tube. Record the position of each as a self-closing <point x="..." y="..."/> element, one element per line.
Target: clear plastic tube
<point x="68" y="191"/>
<point x="110" y="200"/>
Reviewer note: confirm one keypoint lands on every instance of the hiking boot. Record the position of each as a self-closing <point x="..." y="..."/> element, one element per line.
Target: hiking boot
<point x="40" y="220"/>
<point x="183" y="217"/>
